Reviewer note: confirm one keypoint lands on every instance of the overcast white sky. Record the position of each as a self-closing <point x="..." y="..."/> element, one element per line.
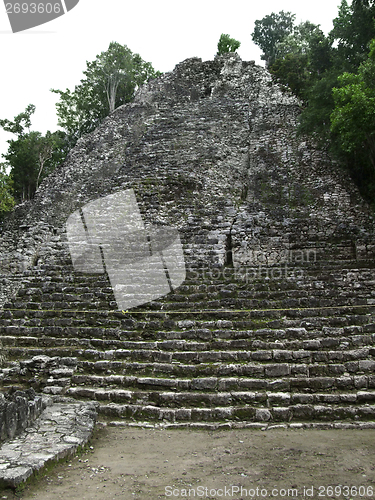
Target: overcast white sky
<point x="163" y="32"/>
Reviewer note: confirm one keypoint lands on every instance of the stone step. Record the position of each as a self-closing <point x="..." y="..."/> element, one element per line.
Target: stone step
<point x="202" y="288"/>
<point x="66" y="378"/>
<point x="78" y="290"/>
<point x="218" y="369"/>
<point x="281" y="329"/>
<point x="63" y="307"/>
<point x="237" y="398"/>
<point x="139" y="318"/>
<point x="69" y="371"/>
<point x="217" y="280"/>
<point x="318" y="268"/>
<point x="225" y="383"/>
<point x="269" y="350"/>
<point x="237" y="300"/>
<point x="278" y="355"/>
<point x="296" y="413"/>
<point x="342" y="341"/>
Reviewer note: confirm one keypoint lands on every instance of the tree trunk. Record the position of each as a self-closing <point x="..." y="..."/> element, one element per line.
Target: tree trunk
<point x="113" y="82"/>
<point x="42" y="160"/>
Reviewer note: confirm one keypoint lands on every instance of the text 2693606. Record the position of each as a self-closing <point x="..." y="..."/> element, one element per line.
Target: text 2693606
<point x="33" y="8"/>
<point x="345" y="491"/>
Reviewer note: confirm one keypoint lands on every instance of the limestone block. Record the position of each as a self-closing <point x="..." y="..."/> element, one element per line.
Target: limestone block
<point x="280" y="370"/>
<point x="263" y="415"/>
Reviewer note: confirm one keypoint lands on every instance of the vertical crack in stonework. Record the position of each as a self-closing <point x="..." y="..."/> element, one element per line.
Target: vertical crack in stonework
<point x="228" y="249"/>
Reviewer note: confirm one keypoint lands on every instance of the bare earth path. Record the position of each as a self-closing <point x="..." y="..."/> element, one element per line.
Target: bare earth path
<point x="151" y="464"/>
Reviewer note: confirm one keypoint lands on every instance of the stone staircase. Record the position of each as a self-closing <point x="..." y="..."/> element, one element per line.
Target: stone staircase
<point x="226" y="348"/>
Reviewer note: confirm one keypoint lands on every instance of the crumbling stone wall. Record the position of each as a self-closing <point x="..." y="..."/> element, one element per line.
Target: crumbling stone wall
<point x="18" y="410"/>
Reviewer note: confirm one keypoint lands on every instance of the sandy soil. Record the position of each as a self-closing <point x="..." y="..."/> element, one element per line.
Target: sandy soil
<point x="149" y="464"/>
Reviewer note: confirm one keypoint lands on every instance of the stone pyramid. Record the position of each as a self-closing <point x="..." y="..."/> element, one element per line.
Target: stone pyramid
<point x="273" y="320"/>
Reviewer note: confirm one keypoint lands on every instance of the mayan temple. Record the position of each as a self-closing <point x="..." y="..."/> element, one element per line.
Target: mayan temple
<point x="194" y="262"/>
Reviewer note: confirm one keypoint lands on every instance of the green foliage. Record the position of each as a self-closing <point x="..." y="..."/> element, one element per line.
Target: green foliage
<point x="291" y="72"/>
<point x="339" y="105"/>
<point x="299" y="57"/>
<point x="31" y="156"/>
<point x="315" y="117"/>
<point x="22" y="158"/>
<point x="6" y="192"/>
<point x="343" y="50"/>
<point x="353" y="117"/>
<point x="298" y="41"/>
<point x="227" y="44"/>
<point x="334" y="76"/>
<point x="320" y="54"/>
<point x="110" y="81"/>
<point x="353" y="29"/>
<point x="79" y="112"/>
<point x="16" y="126"/>
<point x="270" y="31"/>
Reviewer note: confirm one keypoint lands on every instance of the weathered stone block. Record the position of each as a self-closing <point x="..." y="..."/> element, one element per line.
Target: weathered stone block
<point x="321" y="383"/>
<point x="278" y="398"/>
<point x="254" y="384"/>
<point x="318" y="370"/>
<point x="303" y="399"/>
<point x="283" y="355"/>
<point x="336" y="370"/>
<point x="282" y="414"/>
<point x="280" y="370"/>
<point x="202" y="384"/>
<point x="365" y="396"/>
<point x="300" y="370"/>
<point x="263" y="415"/>
<point x="252" y="370"/>
<point x="361" y="382"/>
<point x="344" y="383"/>
<point x="367" y="365"/>
<point x="261" y="355"/>
<point x="228" y="384"/>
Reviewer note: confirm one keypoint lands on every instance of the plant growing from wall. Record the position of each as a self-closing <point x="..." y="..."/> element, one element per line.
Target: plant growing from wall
<point x="227" y="44"/>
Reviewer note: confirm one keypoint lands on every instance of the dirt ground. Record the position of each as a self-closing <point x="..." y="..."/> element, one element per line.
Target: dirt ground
<point x="151" y="464"/>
